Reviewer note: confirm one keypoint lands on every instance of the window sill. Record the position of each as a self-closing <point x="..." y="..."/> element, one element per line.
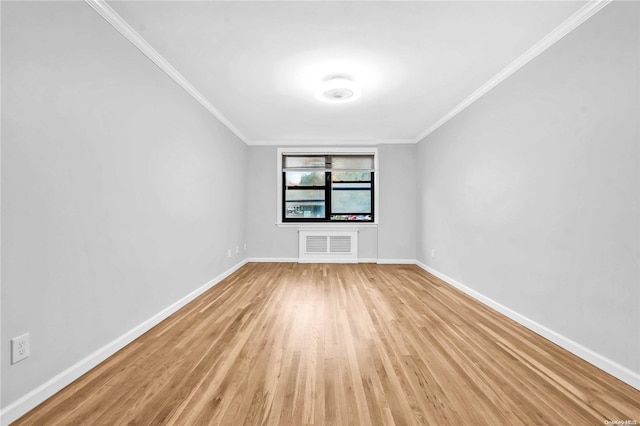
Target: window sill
<point x="327" y="225"/>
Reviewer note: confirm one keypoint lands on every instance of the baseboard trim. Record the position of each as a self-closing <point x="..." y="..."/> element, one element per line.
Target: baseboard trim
<point x="360" y="260"/>
<point x="296" y="260"/>
<point x="396" y="262"/>
<point x="23" y="405"/>
<point x="616" y="370"/>
<point x="273" y="259"/>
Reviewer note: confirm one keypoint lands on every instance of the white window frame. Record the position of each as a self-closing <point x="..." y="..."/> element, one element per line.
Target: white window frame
<point x="325" y="151"/>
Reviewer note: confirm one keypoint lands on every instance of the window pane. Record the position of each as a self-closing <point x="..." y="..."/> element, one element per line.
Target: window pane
<point x="351" y="176"/>
<point x="348" y="186"/>
<point x="308" y="162"/>
<point x="351" y="201"/>
<point x="304" y="203"/>
<point x="352" y="162"/>
<point x="305" y="178"/>
<point x="304" y="195"/>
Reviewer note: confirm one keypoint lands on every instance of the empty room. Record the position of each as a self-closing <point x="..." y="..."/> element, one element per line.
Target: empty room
<point x="320" y="213"/>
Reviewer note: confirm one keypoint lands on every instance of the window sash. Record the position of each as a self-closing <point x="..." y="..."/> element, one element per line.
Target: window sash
<point x="331" y="163"/>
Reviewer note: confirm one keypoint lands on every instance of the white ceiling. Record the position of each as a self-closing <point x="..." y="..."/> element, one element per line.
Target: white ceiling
<point x="258" y="63"/>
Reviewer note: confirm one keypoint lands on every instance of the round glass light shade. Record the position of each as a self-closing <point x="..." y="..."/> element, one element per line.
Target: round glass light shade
<point x="338" y="90"/>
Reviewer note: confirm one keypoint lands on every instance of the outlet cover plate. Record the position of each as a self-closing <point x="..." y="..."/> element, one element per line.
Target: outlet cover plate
<point x="19" y="348"/>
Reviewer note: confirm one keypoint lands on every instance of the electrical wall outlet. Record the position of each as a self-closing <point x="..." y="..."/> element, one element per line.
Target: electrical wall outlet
<point x="245" y="246"/>
<point x="19" y="348"/>
<point x="433" y="252"/>
<point x="228" y="252"/>
<point x="237" y="249"/>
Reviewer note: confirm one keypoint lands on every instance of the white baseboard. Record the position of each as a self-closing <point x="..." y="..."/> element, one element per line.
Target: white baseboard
<point x="273" y="259"/>
<point x="360" y="260"/>
<point x="32" y="399"/>
<point x="295" y="260"/>
<point x="623" y="373"/>
<point x="396" y="261"/>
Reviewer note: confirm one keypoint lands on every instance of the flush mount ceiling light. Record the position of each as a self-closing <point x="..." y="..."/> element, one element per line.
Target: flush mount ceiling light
<point x="338" y="90"/>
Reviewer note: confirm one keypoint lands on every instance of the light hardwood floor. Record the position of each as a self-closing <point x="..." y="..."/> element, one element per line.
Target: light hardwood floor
<point x="330" y="344"/>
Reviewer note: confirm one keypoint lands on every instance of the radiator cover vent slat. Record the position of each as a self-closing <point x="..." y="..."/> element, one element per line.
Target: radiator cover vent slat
<point x="339" y="244"/>
<point x="328" y="246"/>
<point x="316" y="244"/>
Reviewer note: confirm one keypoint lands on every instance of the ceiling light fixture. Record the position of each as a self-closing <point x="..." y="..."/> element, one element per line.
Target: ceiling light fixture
<point x="338" y="90"/>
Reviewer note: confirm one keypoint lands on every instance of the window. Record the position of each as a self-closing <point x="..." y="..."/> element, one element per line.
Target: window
<point x="328" y="187"/>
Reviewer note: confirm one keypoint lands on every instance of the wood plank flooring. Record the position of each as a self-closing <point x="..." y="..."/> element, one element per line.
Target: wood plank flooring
<point x="331" y="344"/>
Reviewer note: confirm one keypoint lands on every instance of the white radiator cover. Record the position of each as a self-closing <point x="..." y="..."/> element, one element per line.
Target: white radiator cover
<point x="320" y="246"/>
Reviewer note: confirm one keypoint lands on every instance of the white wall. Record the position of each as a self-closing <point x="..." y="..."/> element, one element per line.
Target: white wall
<point x="120" y="193"/>
<point x="393" y="239"/>
<point x="531" y="195"/>
<point x="265" y="239"/>
<point x="397" y="230"/>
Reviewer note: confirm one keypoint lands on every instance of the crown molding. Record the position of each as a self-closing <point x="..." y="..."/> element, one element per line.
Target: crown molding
<point x="312" y="142"/>
<point x="584" y="13"/>
<point x="117" y="22"/>
<point x="329" y="142"/>
<point x="394" y="141"/>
